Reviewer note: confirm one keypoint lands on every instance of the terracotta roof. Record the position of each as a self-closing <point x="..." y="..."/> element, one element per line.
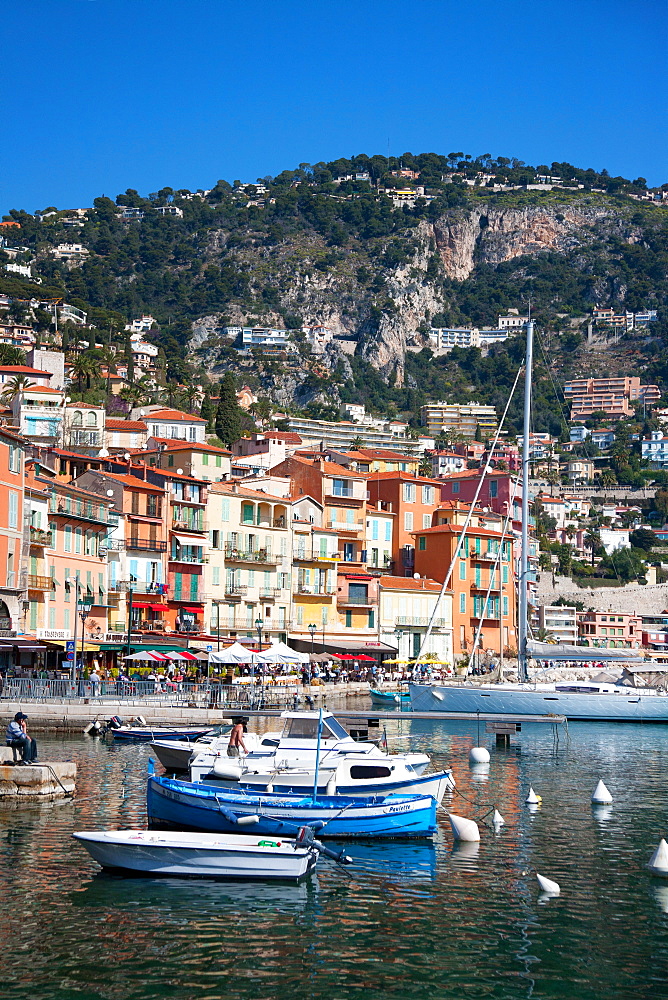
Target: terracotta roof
<point x="329" y="468"/>
<point x="386" y="454"/>
<point x="42" y="388"/>
<point x="405" y="477"/>
<point x="287" y="436"/>
<point x="117" y="424"/>
<point x="75" y="454"/>
<point x="83" y="406"/>
<point x="456" y="529"/>
<point x="24" y="370"/>
<point x="408" y="583"/>
<point x="133" y="481"/>
<point x="243" y="491"/>
<point x="174" y="415"/>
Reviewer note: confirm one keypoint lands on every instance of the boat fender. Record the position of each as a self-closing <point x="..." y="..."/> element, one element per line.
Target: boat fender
<point x="222" y="768"/>
<point x="248" y="820"/>
<point x="331" y="785"/>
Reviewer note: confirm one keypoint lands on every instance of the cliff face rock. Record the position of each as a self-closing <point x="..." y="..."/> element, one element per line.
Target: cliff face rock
<point x="493" y="234"/>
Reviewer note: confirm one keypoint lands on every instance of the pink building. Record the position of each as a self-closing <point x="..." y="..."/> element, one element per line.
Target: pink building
<point x="610" y="629"/>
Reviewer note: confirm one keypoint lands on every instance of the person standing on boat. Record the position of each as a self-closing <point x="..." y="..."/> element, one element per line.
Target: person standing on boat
<point x="17" y="736"/>
<point x="236" y="743"/>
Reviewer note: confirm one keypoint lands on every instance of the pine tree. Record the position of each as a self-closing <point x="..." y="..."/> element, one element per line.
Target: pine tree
<point x="208" y="411"/>
<point x="228" y="416"/>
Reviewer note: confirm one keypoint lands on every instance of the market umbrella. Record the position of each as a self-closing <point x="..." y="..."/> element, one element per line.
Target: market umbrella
<point x="280" y="652"/>
<point x="150" y="656"/>
<point x="236" y="653"/>
<point x="363" y="656"/>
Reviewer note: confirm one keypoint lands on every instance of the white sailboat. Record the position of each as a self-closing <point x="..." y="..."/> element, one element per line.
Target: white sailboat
<point x="591" y="700"/>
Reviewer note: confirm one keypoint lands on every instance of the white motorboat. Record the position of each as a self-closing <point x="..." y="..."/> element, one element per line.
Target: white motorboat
<point x="203" y="855"/>
<point x="297" y="745"/>
<point x="369" y="775"/>
<point x="175" y="755"/>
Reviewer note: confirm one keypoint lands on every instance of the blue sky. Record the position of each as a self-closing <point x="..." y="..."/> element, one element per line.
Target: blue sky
<point x="101" y="95"/>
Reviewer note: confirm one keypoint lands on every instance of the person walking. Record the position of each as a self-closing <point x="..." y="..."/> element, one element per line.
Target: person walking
<point x="17" y="736"/>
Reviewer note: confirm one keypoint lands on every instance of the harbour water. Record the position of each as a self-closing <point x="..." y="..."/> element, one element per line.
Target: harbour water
<point x="413" y="920"/>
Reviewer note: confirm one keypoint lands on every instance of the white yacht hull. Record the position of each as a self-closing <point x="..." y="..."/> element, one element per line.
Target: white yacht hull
<point x="626" y="705"/>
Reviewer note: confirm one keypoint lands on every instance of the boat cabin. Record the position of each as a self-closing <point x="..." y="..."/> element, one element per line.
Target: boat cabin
<point x="304" y="726"/>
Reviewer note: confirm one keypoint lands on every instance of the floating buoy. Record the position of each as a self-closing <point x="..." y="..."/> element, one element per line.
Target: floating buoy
<point x="601" y="796"/>
<point x="547" y="885"/>
<point x="658" y="863"/>
<point x="532" y="799"/>
<point x="464" y="829"/>
<point x="479" y="755"/>
<point x="497" y="818"/>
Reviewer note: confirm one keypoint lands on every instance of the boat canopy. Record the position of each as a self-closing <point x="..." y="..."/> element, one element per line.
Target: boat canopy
<point x="581" y="654"/>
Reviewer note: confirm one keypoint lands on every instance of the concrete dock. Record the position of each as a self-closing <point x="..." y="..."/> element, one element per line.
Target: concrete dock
<point x="43" y="782"/>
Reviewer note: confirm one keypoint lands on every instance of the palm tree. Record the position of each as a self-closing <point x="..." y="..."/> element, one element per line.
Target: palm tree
<point x="19" y="383"/>
<point x="83" y="368"/>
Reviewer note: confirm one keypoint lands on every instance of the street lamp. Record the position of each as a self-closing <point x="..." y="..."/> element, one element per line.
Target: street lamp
<point x="312" y="629"/>
<point x="84" y="607"/>
<point x="258" y="625"/>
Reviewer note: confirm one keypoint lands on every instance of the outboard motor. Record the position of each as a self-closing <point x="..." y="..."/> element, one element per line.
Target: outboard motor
<point x="115" y="722"/>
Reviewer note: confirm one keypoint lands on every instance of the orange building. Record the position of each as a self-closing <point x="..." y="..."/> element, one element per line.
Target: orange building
<point x="413" y="499"/>
<point x="478" y="566"/>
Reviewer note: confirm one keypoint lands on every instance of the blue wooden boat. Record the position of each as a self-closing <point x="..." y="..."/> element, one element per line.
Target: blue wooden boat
<point x="199" y="806"/>
<point x="390" y="699"/>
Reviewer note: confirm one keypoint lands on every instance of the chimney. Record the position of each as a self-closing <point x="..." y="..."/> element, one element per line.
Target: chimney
<point x="235" y="486"/>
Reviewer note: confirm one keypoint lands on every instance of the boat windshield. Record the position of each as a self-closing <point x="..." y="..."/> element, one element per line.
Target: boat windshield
<point x="307" y="729"/>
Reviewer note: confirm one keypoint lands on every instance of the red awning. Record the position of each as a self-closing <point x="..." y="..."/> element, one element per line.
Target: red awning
<point x="186" y="608"/>
<point x="356" y="576"/>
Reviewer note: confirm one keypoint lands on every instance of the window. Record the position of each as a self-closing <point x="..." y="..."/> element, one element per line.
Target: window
<point x="247" y="513"/>
<point x="323" y="616"/>
<point x="226" y="509"/>
<point x="505" y="607"/>
<point x="388" y="531"/>
<point x="409" y="492"/>
<point x="13" y="509"/>
<point x="478" y="576"/>
<point x="170" y="460"/>
<point x="218" y="461"/>
<point x="91" y="420"/>
<point x="427" y="494"/>
<point x="349" y="619"/>
<point x="462" y="604"/>
<point x="374" y="529"/>
<point x="493" y="488"/>
<point x="360" y="771"/>
<point x="152" y="506"/>
<point x="426" y="520"/>
<point x="342" y="488"/>
<point x="371" y="617"/>
<point x="462" y="569"/>
<point x="216" y="576"/>
<point x="408" y="521"/>
<point x="505" y="575"/>
<point x="422" y="543"/>
<point x="14" y="458"/>
<point x="134" y="502"/>
<point x="205" y="459"/>
<point x="215" y="539"/>
<point x="455" y="487"/>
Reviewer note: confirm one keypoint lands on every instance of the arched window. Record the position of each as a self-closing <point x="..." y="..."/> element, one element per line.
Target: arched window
<point x="92" y="419"/>
<point x="77" y="418"/>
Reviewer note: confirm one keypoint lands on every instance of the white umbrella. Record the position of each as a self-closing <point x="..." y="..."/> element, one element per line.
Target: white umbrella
<point x="280" y="652"/>
<point x="236" y="653"/>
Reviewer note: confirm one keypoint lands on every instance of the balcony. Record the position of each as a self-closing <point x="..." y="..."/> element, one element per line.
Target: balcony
<point x="355" y="602"/>
<point x="233" y="554"/>
<point x="484" y="556"/>
<point x="183" y="525"/>
<point x="40" y="582"/>
<point x="146" y="544"/>
<point x="198" y="560"/>
<point x="421" y="622"/>
<point x="235" y="592"/>
<point x="155" y="590"/>
<point x="270" y="593"/>
<point x="39" y="537"/>
<point x="315" y="591"/>
<point x="346" y="525"/>
<point x="78" y="509"/>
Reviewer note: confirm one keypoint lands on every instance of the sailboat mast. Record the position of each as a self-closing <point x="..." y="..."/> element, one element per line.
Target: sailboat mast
<point x="524" y="556"/>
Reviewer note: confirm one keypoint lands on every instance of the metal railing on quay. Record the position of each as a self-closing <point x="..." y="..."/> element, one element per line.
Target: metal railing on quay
<point x="208" y="694"/>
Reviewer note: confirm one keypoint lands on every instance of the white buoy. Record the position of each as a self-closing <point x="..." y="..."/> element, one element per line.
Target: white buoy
<point x="479" y="755"/>
<point x="658" y="863"/>
<point x="497" y="819"/>
<point x="601" y="796"/>
<point x="532" y="799"/>
<point x="547" y="885"/>
<point x="464" y="829"/>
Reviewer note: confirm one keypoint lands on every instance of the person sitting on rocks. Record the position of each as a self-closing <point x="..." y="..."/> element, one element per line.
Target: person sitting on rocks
<point x="17" y="736"/>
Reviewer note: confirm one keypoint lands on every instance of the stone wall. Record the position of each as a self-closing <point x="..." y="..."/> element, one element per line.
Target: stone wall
<point x="633" y="598"/>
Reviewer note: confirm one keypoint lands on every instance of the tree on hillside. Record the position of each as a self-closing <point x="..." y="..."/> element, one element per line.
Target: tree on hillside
<point x="228" y="414"/>
<point x="16" y="384"/>
<point x="11" y="355"/>
<point x="207" y="411"/>
<point x="642" y="538"/>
